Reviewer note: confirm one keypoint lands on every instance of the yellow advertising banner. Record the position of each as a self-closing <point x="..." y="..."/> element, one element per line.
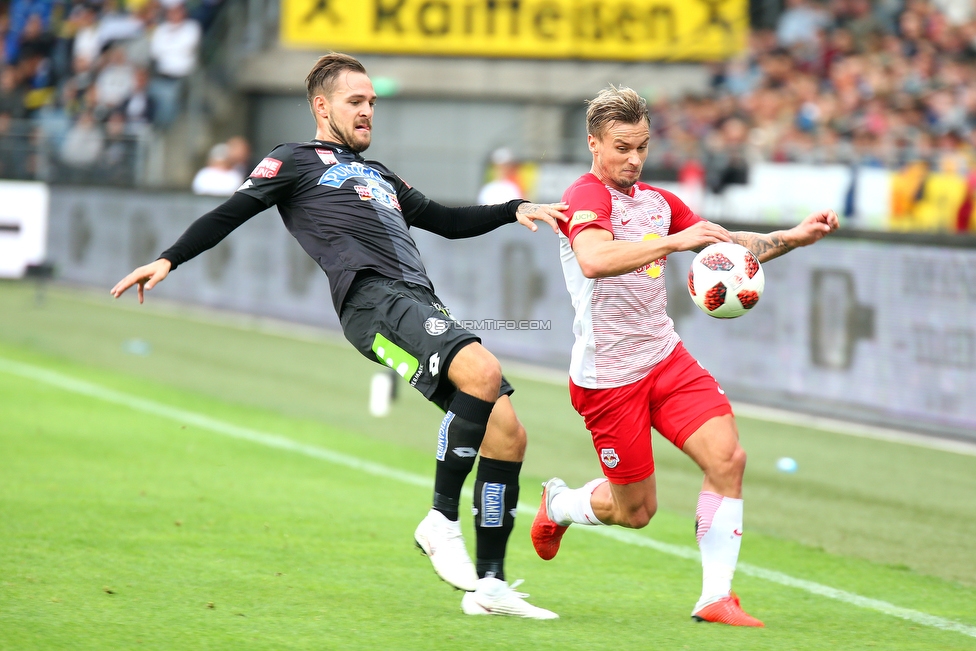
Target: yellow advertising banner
<point x="610" y="30"/>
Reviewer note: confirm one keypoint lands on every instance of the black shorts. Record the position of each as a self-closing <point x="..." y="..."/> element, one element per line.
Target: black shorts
<point x="406" y="327"/>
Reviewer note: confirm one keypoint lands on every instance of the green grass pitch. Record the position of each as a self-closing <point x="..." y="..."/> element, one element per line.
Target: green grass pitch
<point x="122" y="528"/>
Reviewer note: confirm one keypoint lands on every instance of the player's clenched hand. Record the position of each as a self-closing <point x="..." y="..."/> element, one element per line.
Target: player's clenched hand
<point x="146" y="276"/>
<point x="699" y="236"/>
<point x="527" y="213"/>
<point x="814" y="228"/>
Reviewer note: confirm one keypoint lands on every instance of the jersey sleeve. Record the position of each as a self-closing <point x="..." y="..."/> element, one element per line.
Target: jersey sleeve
<point x="274" y="177"/>
<point x="211" y="228"/>
<point x="412" y="201"/>
<point x="681" y="215"/>
<point x="589" y="206"/>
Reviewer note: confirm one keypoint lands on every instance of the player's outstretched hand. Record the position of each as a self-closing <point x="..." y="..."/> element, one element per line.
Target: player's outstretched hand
<point x="528" y="213"/>
<point x="814" y="228"/>
<point x="146" y="276"/>
<point x="700" y="235"/>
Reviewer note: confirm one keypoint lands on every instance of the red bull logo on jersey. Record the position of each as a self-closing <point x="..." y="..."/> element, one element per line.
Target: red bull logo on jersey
<point x="656" y="268"/>
<point x="609" y="457"/>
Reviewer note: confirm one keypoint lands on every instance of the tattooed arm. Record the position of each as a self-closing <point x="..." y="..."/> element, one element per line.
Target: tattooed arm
<point x="529" y="213"/>
<point x="772" y="245"/>
<point x="766" y="246"/>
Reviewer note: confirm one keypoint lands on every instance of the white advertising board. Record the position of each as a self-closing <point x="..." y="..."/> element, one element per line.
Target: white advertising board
<point x="888" y="329"/>
<point x="23" y="226"/>
<point x="876" y="330"/>
<point x="777" y="193"/>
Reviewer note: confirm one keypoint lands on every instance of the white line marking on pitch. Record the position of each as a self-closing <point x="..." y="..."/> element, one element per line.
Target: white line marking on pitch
<point x="81" y="387"/>
<point x="270" y="326"/>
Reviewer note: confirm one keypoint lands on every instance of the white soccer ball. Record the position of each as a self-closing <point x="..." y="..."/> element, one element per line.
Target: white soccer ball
<point x="725" y="280"/>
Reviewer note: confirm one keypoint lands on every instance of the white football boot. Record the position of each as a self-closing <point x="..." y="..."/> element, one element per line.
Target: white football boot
<point x="495" y="597"/>
<point x="441" y="540"/>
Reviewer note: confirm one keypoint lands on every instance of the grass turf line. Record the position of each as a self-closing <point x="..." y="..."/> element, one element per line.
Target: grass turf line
<point x="904" y="506"/>
<point x="86" y="430"/>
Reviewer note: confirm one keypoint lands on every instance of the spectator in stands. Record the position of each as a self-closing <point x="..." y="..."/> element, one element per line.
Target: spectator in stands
<point x="726" y="158"/>
<point x="34" y="63"/>
<point x="139" y="107"/>
<point x="23" y="12"/>
<point x="239" y="153"/>
<point x="218" y="178"/>
<point x="116" y="24"/>
<point x="504" y="185"/>
<point x="82" y="149"/>
<point x="862" y="24"/>
<point x="11" y="94"/>
<point x="116" y="81"/>
<point x="800" y="23"/>
<point x="87" y="44"/>
<point x="174" y="51"/>
<point x="117" y="161"/>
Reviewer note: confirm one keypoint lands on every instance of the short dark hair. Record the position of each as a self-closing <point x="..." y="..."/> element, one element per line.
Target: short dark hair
<point x="613" y="104"/>
<point x="322" y="78"/>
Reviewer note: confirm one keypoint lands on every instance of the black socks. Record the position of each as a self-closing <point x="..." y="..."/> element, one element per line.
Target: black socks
<point x="458" y="442"/>
<point x="496" y="493"/>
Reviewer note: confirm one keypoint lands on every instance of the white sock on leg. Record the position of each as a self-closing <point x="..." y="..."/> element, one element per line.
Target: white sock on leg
<point x="719" y="538"/>
<point x="573" y="506"/>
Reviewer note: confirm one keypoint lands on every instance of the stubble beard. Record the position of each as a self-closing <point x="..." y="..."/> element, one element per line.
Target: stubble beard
<point x="350" y="140"/>
<point x="627" y="183"/>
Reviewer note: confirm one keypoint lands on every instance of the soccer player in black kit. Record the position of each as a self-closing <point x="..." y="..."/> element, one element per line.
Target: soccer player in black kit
<point x="352" y="217"/>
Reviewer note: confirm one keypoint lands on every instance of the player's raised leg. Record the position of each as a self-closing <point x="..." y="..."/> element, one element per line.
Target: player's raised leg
<point x="715" y="448"/>
<point x="619" y="421"/>
<point x="477" y="376"/>
<point x="598" y="502"/>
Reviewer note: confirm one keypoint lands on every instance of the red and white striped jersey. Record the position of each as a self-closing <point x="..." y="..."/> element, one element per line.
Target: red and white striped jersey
<point x="622" y="327"/>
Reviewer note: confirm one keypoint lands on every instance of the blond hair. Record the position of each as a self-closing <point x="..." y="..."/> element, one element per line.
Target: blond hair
<point x="615" y="104"/>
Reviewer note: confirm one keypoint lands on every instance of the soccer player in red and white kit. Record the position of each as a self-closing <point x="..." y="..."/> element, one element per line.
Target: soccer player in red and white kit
<point x="629" y="370"/>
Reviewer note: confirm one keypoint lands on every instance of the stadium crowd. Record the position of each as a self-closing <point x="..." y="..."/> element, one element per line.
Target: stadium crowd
<point x="81" y="81"/>
<point x="888" y="83"/>
<point x="878" y="83"/>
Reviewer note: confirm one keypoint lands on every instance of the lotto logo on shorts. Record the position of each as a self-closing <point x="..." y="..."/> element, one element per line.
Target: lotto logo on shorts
<point x="609" y="457"/>
<point x="442" y="436"/>
<point x="492" y="504"/>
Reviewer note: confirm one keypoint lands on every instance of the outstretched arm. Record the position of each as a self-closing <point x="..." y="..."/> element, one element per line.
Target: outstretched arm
<point x="599" y="255"/>
<point x="529" y="213"/>
<point x="471" y="221"/>
<point x="767" y="246"/>
<point x="147" y="276"/>
<point x="202" y="234"/>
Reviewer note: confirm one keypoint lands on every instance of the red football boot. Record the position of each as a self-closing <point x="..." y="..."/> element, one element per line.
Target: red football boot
<point x="726" y="611"/>
<point x="546" y="534"/>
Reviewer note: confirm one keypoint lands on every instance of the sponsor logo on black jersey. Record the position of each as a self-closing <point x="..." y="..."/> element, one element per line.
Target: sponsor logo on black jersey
<point x="326" y="156"/>
<point x="371" y="186"/>
<point x="267" y="169"/>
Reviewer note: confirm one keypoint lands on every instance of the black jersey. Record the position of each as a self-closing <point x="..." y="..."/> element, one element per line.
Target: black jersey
<point x="350" y="215"/>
